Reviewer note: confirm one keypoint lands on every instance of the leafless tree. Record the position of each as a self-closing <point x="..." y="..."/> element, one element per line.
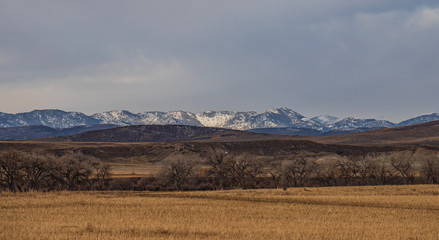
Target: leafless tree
<point x="384" y="174"/>
<point x="220" y="163"/>
<point x="101" y="172"/>
<point x="274" y="170"/>
<point x="298" y="170"/>
<point x="368" y="168"/>
<point x="244" y="170"/>
<point x="349" y="169"/>
<point x="71" y="170"/>
<point x="11" y="168"/>
<point x="429" y="166"/>
<point x="402" y="162"/>
<point x="177" y="169"/>
<point x="36" y="170"/>
<point x="325" y="171"/>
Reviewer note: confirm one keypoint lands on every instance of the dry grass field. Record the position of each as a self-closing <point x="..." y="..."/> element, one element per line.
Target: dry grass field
<point x="126" y="170"/>
<point x="383" y="212"/>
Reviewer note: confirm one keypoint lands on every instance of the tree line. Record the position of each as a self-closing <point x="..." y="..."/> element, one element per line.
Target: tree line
<point x="218" y="170"/>
<point x="21" y="171"/>
<point x="227" y="171"/>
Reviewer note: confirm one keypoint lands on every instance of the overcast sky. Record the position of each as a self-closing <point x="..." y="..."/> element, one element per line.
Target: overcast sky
<point x="362" y="58"/>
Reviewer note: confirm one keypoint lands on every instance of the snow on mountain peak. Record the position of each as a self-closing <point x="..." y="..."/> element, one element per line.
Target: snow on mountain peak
<point x="48" y="117"/>
<point x="273" y="118"/>
<point x="420" y="119"/>
<point x="353" y="123"/>
<point x="325" y="119"/>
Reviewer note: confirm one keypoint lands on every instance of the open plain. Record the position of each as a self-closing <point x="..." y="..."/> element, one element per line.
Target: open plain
<point x="374" y="212"/>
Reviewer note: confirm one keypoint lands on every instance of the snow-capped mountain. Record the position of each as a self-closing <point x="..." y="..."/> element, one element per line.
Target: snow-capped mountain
<point x="281" y="117"/>
<point x="124" y="118"/>
<point x="354" y="123"/>
<point x="325" y="119"/>
<point x="274" y="118"/>
<point x="173" y="117"/>
<point x="420" y="119"/>
<point x="225" y="119"/>
<point x="118" y="117"/>
<point x="50" y="118"/>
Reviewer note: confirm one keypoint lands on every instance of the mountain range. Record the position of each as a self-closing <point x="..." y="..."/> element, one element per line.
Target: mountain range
<point x="280" y="120"/>
<point x="281" y="117"/>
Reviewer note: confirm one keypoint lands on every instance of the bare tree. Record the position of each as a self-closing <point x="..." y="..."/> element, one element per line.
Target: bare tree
<point x="384" y="174"/>
<point x="220" y="163"/>
<point x="402" y="162"/>
<point x="11" y="168"/>
<point x="325" y="171"/>
<point x="244" y="170"/>
<point x="298" y="170"/>
<point x="368" y="168"/>
<point x="349" y="169"/>
<point x="101" y="172"/>
<point x="177" y="169"/>
<point x="36" y="170"/>
<point x="274" y="170"/>
<point x="71" y="170"/>
<point x="429" y="166"/>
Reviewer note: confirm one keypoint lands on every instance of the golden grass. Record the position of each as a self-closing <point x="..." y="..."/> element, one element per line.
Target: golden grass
<point x="389" y="212"/>
<point x="124" y="170"/>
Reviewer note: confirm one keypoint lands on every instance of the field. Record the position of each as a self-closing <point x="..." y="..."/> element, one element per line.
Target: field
<point x="382" y="212"/>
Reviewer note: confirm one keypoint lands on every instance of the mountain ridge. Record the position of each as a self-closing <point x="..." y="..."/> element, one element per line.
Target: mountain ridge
<point x="274" y="118"/>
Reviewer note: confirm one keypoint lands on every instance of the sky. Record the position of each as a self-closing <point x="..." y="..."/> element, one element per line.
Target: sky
<point x="362" y="58"/>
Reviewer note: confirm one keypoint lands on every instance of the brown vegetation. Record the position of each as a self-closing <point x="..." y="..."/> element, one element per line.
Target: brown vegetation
<point x="219" y="165"/>
<point x="217" y="168"/>
<point x="164" y="133"/>
<point x="387" y="212"/>
<point x="35" y="171"/>
<point x="177" y="170"/>
<point x="424" y="134"/>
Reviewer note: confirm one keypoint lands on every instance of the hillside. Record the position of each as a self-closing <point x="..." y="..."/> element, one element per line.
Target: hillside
<point x="418" y="134"/>
<point x="147" y="152"/>
<point x="306" y="132"/>
<point x="40" y="131"/>
<point x="162" y="133"/>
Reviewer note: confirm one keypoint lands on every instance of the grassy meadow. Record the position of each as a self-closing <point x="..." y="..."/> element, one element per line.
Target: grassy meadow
<point x="375" y="212"/>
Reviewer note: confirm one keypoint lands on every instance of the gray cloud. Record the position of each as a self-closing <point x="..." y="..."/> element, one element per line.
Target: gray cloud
<point x="364" y="58"/>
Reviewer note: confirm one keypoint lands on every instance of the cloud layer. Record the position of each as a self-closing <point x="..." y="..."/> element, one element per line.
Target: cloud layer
<point x="364" y="58"/>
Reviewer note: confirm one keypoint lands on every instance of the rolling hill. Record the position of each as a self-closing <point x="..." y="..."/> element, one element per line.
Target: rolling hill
<point x="163" y="133"/>
<point x="306" y="132"/>
<point x="416" y="135"/>
<point x="40" y="131"/>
